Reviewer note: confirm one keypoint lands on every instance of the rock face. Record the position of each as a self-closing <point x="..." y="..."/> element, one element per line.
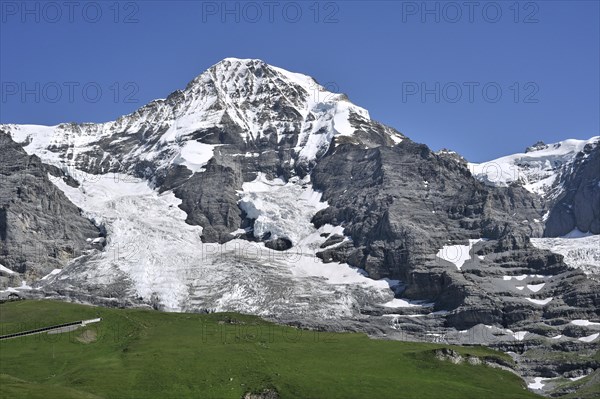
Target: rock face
<point x="40" y="229"/>
<point x="578" y="204"/>
<point x="401" y="204"/>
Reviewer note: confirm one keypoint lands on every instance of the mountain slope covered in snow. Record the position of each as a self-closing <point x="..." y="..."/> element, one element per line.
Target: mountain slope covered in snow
<point x="565" y="174"/>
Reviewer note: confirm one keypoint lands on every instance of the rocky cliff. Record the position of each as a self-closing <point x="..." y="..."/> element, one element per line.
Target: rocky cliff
<point x="40" y="229"/>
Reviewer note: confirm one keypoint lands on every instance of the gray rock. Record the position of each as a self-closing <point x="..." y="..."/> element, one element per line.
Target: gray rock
<point x="40" y="229"/>
<point x="578" y="205"/>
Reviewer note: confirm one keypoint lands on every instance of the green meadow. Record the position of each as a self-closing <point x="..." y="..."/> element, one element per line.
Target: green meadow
<point x="136" y="353"/>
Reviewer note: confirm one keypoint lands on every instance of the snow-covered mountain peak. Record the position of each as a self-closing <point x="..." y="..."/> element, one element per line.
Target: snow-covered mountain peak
<point x="250" y="102"/>
<point x="539" y="168"/>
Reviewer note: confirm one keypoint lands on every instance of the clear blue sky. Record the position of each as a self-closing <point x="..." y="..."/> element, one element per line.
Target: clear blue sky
<point x="381" y="53"/>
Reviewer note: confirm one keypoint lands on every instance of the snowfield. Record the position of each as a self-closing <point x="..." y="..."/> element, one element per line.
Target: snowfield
<point x="580" y="251"/>
<point x="150" y="246"/>
<point x="278" y="207"/>
<point x="537" y="170"/>
<point x="457" y="254"/>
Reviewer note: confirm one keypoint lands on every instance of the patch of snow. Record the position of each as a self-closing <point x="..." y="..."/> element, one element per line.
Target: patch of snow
<point x="195" y="155"/>
<point x="581" y="322"/>
<point x="589" y="338"/>
<point x="540" y="301"/>
<point x="537" y="384"/>
<point x="535" y="287"/>
<point x="52" y="273"/>
<point x="520" y="335"/>
<point x="523" y="277"/>
<point x="457" y="254"/>
<point x="395" y="138"/>
<point x="6" y="270"/>
<point x="403" y="303"/>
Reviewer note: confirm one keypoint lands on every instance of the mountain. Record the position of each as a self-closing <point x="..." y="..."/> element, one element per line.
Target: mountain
<point x="565" y="174"/>
<point x="256" y="190"/>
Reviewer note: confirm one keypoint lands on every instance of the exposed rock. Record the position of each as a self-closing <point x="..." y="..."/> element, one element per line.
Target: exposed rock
<point x="266" y="394"/>
<point x="578" y="205"/>
<point x="40" y="229"/>
<point x="540" y="145"/>
<point x="279" y="244"/>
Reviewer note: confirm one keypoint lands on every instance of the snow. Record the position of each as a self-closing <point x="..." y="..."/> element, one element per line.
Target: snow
<point x="277" y="207"/>
<point x="536" y="170"/>
<point x="581" y="251"/>
<point x="457" y="254"/>
<point x="536" y="287"/>
<point x="520" y="335"/>
<point x="519" y="278"/>
<point x="396" y="139"/>
<point x="589" y="338"/>
<point x="577" y="378"/>
<point x="39" y="138"/>
<point x="404" y="303"/>
<point x="52" y="273"/>
<point x="540" y="301"/>
<point x="150" y="245"/>
<point x="6" y="270"/>
<point x="523" y="277"/>
<point x="576" y="233"/>
<point x="557" y="337"/>
<point x="195" y="155"/>
<point x="139" y="223"/>
<point x="581" y="322"/>
<point x="537" y="384"/>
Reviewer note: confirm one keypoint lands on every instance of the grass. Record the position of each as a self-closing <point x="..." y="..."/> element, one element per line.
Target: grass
<point x="147" y="354"/>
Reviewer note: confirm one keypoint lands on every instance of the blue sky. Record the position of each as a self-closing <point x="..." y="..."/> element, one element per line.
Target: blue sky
<point x="485" y="79"/>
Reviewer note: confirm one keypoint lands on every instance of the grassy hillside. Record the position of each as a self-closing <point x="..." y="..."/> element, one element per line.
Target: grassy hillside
<point x="147" y="354"/>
